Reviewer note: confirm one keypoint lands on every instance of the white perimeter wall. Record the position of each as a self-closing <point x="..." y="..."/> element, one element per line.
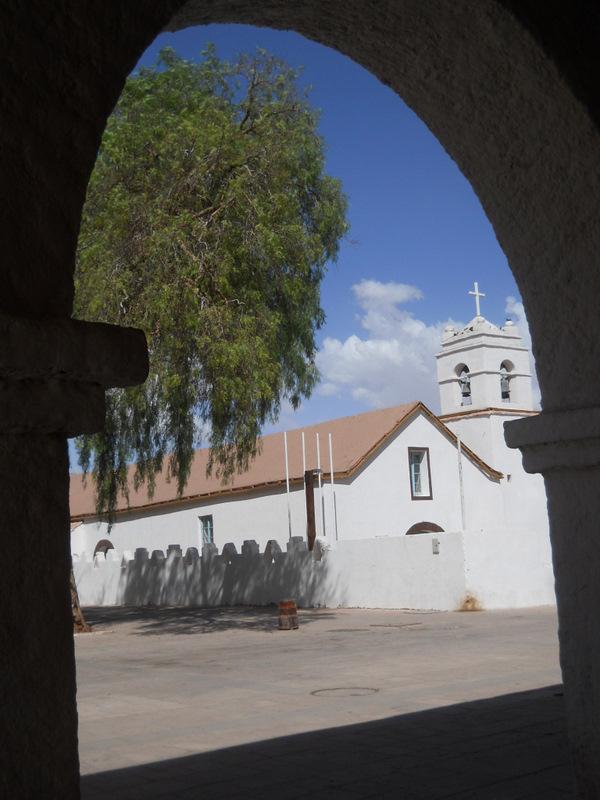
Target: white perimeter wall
<point x="380" y="573"/>
<point x="509" y="567"/>
<point x="429" y="571"/>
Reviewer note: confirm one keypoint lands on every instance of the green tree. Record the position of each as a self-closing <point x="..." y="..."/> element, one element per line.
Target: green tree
<point x="208" y="223"/>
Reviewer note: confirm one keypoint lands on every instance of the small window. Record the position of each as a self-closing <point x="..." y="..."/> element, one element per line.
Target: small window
<point x="420" y="473"/>
<point x="206" y="529"/>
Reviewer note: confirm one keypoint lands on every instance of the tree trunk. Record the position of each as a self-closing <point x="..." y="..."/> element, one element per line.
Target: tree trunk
<point x="79" y="623"/>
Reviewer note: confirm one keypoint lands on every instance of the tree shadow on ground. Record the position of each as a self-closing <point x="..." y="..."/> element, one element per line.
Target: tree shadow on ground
<point x="510" y="747"/>
<point x="177" y="620"/>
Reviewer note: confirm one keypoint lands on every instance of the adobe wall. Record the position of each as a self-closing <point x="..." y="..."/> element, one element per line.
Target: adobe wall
<point x="428" y="571"/>
<point x="352" y="575"/>
<point x="37" y="665"/>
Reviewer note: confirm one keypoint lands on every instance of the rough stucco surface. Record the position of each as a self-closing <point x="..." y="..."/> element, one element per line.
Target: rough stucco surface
<point x="574" y="506"/>
<point x="38" y="755"/>
<point x="66" y="62"/>
<point x="513" y="101"/>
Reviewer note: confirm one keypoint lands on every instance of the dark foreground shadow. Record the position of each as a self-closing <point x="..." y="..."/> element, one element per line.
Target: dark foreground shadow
<point x="157" y="621"/>
<point x="511" y="747"/>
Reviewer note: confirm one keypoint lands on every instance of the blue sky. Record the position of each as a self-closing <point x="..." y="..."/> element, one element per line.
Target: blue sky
<point x="414" y="221"/>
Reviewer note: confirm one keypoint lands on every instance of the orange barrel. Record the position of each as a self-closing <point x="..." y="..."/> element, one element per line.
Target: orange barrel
<point x="288" y="615"/>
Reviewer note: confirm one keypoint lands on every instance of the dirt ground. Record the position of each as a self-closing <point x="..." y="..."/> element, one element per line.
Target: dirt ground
<point x="211" y="703"/>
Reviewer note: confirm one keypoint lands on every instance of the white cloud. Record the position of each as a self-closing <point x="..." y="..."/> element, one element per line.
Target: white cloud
<point x="328" y="389"/>
<point x="377" y="293"/>
<point x="515" y="310"/>
<point x="395" y="362"/>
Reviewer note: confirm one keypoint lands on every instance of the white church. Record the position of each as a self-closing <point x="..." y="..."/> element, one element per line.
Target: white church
<point x="410" y="509"/>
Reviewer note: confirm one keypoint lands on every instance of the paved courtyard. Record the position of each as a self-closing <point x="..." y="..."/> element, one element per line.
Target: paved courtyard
<point x="197" y="703"/>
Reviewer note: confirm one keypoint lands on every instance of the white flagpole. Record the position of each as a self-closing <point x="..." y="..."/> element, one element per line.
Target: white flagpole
<point x="333" y="487"/>
<point x="287" y="484"/>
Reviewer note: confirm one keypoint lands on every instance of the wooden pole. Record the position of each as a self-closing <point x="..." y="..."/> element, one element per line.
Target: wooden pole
<point x="287" y="485"/>
<point x="311" y="530"/>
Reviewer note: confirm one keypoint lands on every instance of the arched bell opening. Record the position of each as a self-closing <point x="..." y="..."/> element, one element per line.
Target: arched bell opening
<point x="463" y="374"/>
<point x="506" y="368"/>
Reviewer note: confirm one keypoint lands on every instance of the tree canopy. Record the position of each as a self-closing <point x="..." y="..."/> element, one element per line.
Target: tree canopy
<point x="208" y="223"/>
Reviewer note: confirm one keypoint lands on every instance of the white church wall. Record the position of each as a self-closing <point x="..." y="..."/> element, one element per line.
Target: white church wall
<point x="376" y="502"/>
<point x="485" y="435"/>
<point x="482" y="497"/>
<point x="261" y="516"/>
<point x="509" y="567"/>
<point x="379" y="501"/>
<point x="476" y="433"/>
<point x="398" y="572"/>
<point x="523" y="495"/>
<point x="79" y="540"/>
<point x="525" y="503"/>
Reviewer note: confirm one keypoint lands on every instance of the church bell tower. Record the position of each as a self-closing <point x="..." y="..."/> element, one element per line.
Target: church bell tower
<point x="484" y="377"/>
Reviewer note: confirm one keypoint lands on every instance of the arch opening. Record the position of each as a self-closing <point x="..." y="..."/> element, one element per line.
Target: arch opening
<point x="506" y="368"/>
<point x="464" y="384"/>
<point x="465" y="400"/>
<point x="103" y="546"/>
<point x="424" y="527"/>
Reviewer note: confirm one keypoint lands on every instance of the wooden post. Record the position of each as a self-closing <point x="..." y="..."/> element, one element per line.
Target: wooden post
<point x="288" y="615"/>
<point x="311" y="530"/>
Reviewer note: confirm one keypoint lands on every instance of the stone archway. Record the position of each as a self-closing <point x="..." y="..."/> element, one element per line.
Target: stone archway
<point x="508" y="89"/>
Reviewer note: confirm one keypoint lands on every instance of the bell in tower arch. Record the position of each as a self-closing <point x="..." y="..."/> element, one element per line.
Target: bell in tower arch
<point x="464" y="381"/>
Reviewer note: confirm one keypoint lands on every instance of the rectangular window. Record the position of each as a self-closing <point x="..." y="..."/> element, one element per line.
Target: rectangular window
<point x="420" y="473"/>
<point x="206" y="529"/>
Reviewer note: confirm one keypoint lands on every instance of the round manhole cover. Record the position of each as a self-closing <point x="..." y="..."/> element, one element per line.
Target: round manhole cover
<point x="344" y="691"/>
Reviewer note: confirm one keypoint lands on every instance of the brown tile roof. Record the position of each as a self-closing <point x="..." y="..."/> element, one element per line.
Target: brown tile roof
<point x="355" y="439"/>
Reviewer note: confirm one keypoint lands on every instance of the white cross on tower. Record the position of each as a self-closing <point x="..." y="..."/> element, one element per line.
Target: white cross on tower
<point x="477" y="294"/>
